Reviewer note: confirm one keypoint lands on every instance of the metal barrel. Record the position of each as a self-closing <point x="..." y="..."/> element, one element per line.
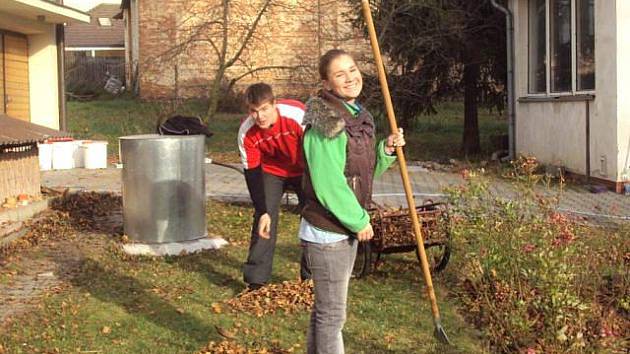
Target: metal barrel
<point x="163" y="184"/>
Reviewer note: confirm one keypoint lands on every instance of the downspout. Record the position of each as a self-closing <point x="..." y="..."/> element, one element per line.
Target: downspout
<point x="587" y="123"/>
<point x="509" y="26"/>
<point x="61" y="82"/>
<point x="135" y="45"/>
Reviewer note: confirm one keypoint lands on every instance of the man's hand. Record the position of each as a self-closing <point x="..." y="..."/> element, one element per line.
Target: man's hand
<point x="264" y="226"/>
<point x="366" y="234"/>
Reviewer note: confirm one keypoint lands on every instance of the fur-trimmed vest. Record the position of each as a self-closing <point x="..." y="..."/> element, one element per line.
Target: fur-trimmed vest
<point x="328" y="115"/>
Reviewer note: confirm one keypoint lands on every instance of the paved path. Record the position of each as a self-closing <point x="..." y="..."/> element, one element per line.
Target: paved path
<point x="228" y="184"/>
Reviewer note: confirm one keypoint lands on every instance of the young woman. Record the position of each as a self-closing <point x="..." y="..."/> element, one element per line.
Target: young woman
<point x="341" y="158"/>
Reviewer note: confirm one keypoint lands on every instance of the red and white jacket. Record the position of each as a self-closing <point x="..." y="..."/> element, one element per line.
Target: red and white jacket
<point x="277" y="150"/>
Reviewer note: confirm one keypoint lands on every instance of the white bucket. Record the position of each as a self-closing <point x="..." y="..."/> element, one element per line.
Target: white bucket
<point x="45" y="156"/>
<point x="95" y="154"/>
<point x="78" y="154"/>
<point x="62" y="152"/>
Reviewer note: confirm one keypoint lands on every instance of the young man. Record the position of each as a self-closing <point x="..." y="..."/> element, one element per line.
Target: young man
<point x="269" y="141"/>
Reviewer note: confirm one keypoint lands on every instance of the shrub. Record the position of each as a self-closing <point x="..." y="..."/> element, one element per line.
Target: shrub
<point x="535" y="280"/>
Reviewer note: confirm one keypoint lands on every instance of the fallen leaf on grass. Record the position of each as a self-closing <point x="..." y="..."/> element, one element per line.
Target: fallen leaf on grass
<point x="225" y="333"/>
<point x="106" y="330"/>
<point x="216" y="307"/>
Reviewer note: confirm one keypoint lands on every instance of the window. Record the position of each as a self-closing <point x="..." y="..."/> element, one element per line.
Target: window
<point x="561" y="46"/>
<point x="537" y="45"/>
<point x="585" y="45"/>
<point x="104" y="21"/>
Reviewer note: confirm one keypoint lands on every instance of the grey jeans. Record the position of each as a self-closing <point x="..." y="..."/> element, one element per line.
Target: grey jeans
<point x="331" y="266"/>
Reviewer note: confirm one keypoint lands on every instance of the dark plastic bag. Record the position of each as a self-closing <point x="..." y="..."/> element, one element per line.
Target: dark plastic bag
<point x="183" y="125"/>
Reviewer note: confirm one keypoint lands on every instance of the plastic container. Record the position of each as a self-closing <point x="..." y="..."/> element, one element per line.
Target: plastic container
<point x="62" y="155"/>
<point x="94" y="154"/>
<point x="78" y="154"/>
<point x="45" y="151"/>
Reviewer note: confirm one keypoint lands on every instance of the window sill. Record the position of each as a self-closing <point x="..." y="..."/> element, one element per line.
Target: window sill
<point x="564" y="98"/>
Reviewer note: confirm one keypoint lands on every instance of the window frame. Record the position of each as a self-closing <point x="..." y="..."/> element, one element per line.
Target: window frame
<point x="574" y="48"/>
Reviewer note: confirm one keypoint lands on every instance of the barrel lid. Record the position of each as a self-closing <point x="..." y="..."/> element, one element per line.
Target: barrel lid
<point x="158" y="137"/>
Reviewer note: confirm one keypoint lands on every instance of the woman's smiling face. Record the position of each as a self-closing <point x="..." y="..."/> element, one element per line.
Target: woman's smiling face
<point x="344" y="78"/>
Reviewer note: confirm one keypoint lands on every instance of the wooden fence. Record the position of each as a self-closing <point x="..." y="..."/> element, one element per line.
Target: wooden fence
<point x="91" y="73"/>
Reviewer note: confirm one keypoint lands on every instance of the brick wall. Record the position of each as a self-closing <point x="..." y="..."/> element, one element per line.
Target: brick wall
<point x="293" y="33"/>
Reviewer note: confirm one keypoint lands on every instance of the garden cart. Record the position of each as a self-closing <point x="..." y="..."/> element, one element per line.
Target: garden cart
<point x="393" y="233"/>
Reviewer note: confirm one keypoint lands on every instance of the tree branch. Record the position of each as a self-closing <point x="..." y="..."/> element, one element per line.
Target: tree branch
<point x="249" y="34"/>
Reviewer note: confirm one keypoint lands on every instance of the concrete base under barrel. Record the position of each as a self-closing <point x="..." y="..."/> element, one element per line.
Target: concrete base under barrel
<point x="173" y="248"/>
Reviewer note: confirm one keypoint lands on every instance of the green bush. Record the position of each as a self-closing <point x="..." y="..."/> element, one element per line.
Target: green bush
<point x="535" y="280"/>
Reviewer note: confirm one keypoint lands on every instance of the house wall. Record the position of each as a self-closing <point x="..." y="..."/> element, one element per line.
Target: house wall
<point x="43" y="78"/>
<point x="604" y="116"/>
<point x="555" y="132"/>
<point x="291" y="35"/>
<point x="42" y="68"/>
<point x="623" y="89"/>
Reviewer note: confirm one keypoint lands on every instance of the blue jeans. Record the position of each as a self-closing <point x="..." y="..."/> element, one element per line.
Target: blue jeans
<point x="331" y="266"/>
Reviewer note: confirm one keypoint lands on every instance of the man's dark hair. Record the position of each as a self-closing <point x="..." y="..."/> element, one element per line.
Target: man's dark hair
<point x="259" y="93"/>
<point x="327" y="58"/>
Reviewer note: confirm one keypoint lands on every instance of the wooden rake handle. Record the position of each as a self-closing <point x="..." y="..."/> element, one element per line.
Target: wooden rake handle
<point x="401" y="158"/>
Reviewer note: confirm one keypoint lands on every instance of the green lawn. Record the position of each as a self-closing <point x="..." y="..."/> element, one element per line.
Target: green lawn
<point x="110" y="119"/>
<point x="531" y="279"/>
<point x="435" y="137"/>
<point x="121" y="304"/>
<point x="439" y="136"/>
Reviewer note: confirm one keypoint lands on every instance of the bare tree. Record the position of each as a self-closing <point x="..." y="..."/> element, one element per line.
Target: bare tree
<point x="222" y="32"/>
<point x="212" y="44"/>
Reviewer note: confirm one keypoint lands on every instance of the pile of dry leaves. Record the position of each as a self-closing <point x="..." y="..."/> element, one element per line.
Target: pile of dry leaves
<point x="51" y="225"/>
<point x="290" y="296"/>
<point x="89" y="211"/>
<point x="231" y="347"/>
<point x="70" y="214"/>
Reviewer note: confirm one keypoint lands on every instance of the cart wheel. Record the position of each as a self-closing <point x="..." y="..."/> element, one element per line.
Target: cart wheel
<point x="437" y="256"/>
<point x="363" y="262"/>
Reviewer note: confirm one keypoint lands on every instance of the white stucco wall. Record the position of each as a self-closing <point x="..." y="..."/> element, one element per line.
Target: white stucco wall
<point x="623" y="87"/>
<point x="604" y="113"/>
<point x="555" y="132"/>
<point x="42" y="72"/>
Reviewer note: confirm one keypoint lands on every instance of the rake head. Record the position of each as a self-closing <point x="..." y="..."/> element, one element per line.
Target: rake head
<point x="440" y="334"/>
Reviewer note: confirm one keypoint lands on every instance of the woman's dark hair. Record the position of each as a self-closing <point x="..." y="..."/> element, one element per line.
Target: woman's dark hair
<point x="327" y="58"/>
<point x="259" y="93"/>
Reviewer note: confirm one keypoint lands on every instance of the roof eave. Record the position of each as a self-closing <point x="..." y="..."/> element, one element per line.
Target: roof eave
<point x="53" y="12"/>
